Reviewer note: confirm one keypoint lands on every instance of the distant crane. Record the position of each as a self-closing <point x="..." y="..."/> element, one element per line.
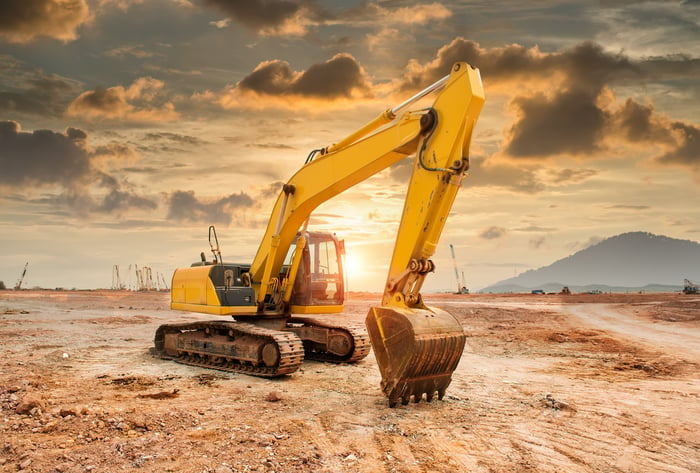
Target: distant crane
<point x="690" y="287"/>
<point x="18" y="286"/>
<point x="164" y="286"/>
<point x="140" y="285"/>
<point x="461" y="288"/>
<point x="117" y="283"/>
<point x="148" y="278"/>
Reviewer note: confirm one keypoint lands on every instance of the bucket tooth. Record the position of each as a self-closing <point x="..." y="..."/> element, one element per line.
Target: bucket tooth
<point x="417" y="351"/>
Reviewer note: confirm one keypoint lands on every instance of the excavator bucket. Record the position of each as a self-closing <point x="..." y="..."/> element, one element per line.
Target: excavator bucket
<point x="417" y="351"/>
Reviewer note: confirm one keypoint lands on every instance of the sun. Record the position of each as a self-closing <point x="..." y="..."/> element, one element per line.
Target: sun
<point x="354" y="267"/>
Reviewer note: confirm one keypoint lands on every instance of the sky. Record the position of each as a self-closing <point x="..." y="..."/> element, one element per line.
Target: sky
<point x="127" y="127"/>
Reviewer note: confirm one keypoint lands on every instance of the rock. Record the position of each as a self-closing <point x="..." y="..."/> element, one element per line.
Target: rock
<point x="29" y="402"/>
<point x="68" y="411"/>
<point x="273" y="396"/>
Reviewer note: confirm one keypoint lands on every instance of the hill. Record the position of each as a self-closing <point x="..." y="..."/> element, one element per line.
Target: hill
<point x="629" y="261"/>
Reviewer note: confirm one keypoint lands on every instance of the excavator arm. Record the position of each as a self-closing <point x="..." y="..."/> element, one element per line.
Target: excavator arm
<point x="318" y="181"/>
<point x="439" y="138"/>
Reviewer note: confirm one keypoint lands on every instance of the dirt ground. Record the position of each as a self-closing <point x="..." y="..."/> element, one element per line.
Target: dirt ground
<point x="580" y="383"/>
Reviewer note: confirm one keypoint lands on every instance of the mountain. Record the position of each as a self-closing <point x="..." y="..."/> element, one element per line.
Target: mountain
<point x="635" y="260"/>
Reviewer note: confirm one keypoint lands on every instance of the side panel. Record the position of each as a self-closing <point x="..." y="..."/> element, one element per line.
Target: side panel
<point x="192" y="290"/>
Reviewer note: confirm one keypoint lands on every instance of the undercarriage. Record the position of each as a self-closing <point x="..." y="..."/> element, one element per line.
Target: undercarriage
<point x="243" y="347"/>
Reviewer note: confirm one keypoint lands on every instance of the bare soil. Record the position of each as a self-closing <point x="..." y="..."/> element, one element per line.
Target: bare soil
<point x="579" y="383"/>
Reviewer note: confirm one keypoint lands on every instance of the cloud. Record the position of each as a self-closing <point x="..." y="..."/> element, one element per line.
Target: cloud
<point x="418" y="14"/>
<point x="299" y="18"/>
<point x="501" y="173"/>
<point x="137" y="51"/>
<point x="493" y="233"/>
<point x="537" y="242"/>
<point x="119" y="200"/>
<point x="31" y="91"/>
<point x="269" y="17"/>
<point x="174" y="137"/>
<point x="584" y="65"/>
<point x="374" y="13"/>
<point x="140" y="102"/>
<point x="296" y="18"/>
<point x="582" y="245"/>
<point x="275" y="83"/>
<point x="570" y="176"/>
<point x="687" y="153"/>
<point x="49" y="160"/>
<point x="586" y="124"/>
<point x="42" y="156"/>
<point x="569" y="122"/>
<point x="628" y="207"/>
<point x="23" y="21"/>
<point x="184" y="206"/>
<point x="563" y="102"/>
<point x="640" y="123"/>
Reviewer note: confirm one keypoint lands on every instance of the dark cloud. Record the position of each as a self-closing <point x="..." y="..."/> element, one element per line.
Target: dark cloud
<point x="568" y="122"/>
<point x="183" y="206"/>
<point x="257" y="13"/>
<point x="23" y="21"/>
<point x="583" y="65"/>
<point x="32" y="91"/>
<point x="42" y="156"/>
<point x="46" y="158"/>
<point x="640" y="123"/>
<point x="688" y="151"/>
<point x="337" y="77"/>
<point x="340" y="76"/>
<point x="563" y="101"/>
<point x="493" y="233"/>
<point x="577" y="124"/>
<point x="119" y="201"/>
<point x="270" y="16"/>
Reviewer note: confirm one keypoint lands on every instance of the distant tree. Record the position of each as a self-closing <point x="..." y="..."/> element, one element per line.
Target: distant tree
<point x="2" y="286"/>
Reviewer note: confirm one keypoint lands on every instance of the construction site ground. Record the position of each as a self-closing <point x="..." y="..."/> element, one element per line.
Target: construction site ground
<point x="547" y="383"/>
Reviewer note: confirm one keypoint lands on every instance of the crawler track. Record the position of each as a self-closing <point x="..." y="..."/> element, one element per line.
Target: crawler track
<point x="360" y="338"/>
<point x="290" y="347"/>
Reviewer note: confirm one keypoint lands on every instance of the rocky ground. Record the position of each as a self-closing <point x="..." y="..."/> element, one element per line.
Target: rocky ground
<point x="580" y="383"/>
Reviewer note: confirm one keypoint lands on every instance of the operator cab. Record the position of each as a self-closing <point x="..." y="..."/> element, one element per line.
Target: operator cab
<point x="319" y="281"/>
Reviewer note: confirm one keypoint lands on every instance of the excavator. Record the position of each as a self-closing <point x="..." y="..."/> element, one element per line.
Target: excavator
<point x="284" y="306"/>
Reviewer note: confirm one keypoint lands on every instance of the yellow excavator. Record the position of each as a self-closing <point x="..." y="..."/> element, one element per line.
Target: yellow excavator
<point x="278" y="306"/>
